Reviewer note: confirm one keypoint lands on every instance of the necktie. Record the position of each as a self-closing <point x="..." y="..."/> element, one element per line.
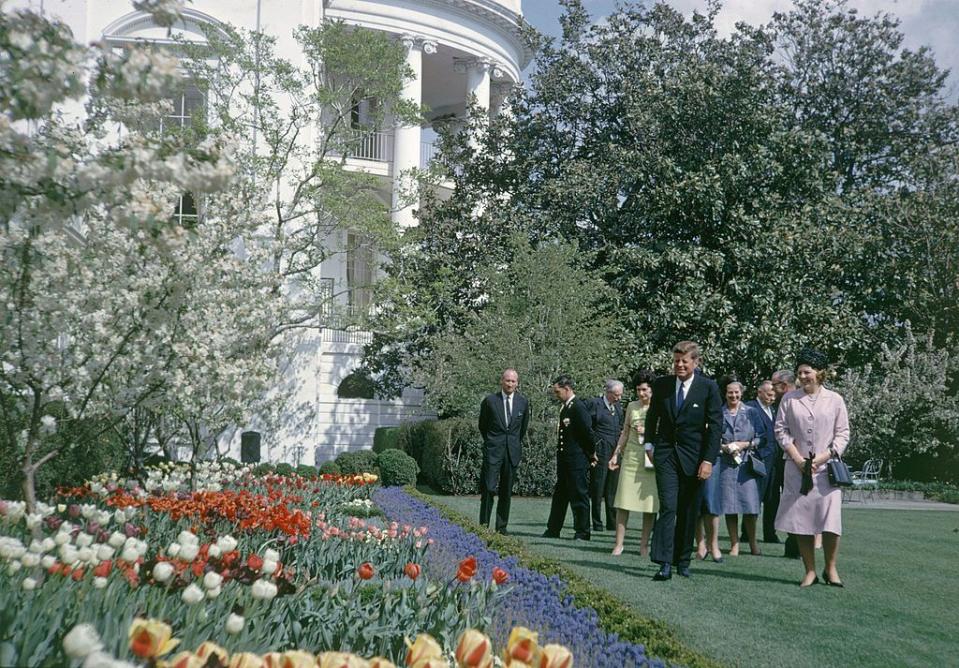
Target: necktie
<point x="509" y="408"/>
<point x="680" y="397"/>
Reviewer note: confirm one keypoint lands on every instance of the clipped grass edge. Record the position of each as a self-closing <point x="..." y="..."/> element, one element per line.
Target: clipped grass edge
<point x="656" y="636"/>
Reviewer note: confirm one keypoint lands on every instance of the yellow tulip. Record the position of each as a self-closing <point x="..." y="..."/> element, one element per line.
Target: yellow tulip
<point x="183" y="660"/>
<point x="556" y="656"/>
<point x="150" y="638"/>
<point x="522" y="646"/>
<point x="424" y="647"/>
<point x="245" y="660"/>
<point x="208" y="648"/>
<point x="380" y="662"/>
<point x="474" y="650"/>
<point x="296" y="658"/>
<point x="340" y="660"/>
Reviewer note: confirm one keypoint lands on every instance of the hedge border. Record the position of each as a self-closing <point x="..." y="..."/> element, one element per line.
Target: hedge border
<point x="615" y="616"/>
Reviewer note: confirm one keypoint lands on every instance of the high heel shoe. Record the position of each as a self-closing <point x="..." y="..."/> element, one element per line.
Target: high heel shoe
<point x="618" y="550"/>
<point x="701" y="557"/>
<point x="814" y="582"/>
<point x="831" y="583"/>
<point x="718" y="559"/>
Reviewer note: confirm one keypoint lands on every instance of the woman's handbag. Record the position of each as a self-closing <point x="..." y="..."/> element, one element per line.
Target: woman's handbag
<point x="839" y="475"/>
<point x="757" y="465"/>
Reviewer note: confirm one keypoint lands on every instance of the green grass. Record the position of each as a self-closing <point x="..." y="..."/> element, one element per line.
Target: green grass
<point x="898" y="607"/>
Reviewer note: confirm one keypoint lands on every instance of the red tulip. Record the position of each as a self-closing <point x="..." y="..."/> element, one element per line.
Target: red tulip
<point x="500" y="576"/>
<point x="467" y="569"/>
<point x="365" y="570"/>
<point x="412" y="570"/>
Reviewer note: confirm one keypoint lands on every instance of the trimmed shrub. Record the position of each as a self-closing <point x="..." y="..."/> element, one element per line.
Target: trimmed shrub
<point x="306" y="471"/>
<point x="263" y="468"/>
<point x="357" y="461"/>
<point x="432" y="439"/>
<point x="385" y="438"/>
<point x="284" y="469"/>
<point x="329" y="467"/>
<point x="397" y="468"/>
<point x="462" y="459"/>
<point x="537" y="472"/>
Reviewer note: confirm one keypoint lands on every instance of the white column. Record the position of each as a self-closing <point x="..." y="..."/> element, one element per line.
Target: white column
<point x="407" y="138"/>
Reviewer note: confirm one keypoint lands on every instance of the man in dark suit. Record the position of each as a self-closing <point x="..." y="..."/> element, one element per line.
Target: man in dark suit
<point x="764" y="404"/>
<point x="575" y="455"/>
<point x="503" y="419"/>
<point x="606" y="415"/>
<point x="684" y="427"/>
<point x="784" y="381"/>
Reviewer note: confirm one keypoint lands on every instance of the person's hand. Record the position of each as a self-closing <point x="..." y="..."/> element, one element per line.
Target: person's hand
<point x="800" y="463"/>
<point x="613" y="462"/>
<point x="705" y="470"/>
<point x="595" y="460"/>
<point x="640" y="428"/>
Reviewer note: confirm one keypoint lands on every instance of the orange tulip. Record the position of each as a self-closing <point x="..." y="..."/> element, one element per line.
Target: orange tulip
<point x="411" y="570"/>
<point x="500" y="576"/>
<point x="556" y="656"/>
<point x="522" y="646"/>
<point x="466" y="570"/>
<point x="365" y="570"/>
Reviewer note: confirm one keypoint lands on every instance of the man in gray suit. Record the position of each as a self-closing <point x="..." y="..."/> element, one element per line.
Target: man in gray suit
<point x="606" y="412"/>
<point x="503" y="419"/>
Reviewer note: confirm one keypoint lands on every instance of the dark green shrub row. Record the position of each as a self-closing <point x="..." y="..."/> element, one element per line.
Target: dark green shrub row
<point x="450" y="455"/>
<point x="936" y="491"/>
<point x="615" y="617"/>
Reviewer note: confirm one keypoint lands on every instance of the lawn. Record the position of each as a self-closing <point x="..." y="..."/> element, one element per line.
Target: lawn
<point x="898" y="607"/>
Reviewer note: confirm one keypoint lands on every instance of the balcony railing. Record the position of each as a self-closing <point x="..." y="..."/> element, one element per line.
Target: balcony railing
<point x="428" y="152"/>
<point x="367" y="145"/>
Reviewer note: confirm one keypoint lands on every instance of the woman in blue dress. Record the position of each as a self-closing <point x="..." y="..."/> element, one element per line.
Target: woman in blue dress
<point x="738" y="484"/>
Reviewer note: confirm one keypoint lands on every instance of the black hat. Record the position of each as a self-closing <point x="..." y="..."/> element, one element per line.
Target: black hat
<point x="814" y="358"/>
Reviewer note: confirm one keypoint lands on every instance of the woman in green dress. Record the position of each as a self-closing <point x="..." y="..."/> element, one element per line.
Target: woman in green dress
<point x="636" y="491"/>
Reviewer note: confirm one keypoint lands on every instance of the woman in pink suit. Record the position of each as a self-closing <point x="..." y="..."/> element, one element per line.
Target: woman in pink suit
<point x="813" y="420"/>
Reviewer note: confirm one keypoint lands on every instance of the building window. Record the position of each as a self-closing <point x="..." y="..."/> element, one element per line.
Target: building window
<point x="185" y="212"/>
<point x="359" y="272"/>
<point x="189" y="107"/>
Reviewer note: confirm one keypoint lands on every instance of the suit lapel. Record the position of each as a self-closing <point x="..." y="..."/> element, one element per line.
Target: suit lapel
<point x="687" y="398"/>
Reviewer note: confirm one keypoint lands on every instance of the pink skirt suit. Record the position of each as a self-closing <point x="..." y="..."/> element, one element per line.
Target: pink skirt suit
<point x="812" y="426"/>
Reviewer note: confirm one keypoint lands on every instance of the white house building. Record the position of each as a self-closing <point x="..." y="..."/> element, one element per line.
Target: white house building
<point x="456" y="49"/>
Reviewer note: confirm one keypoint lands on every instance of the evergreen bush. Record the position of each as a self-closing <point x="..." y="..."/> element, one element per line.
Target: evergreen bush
<point x="357" y="461"/>
<point x="397" y="468"/>
<point x="329" y="467"/>
<point x="306" y="471"/>
<point x="284" y="469"/>
<point x="385" y="438"/>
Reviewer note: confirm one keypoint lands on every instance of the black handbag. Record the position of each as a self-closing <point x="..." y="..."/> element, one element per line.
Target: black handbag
<point x="757" y="465"/>
<point x="839" y="475"/>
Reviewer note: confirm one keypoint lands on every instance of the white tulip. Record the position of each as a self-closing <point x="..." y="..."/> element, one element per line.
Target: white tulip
<point x="187" y="538"/>
<point x="189" y="551"/>
<point x="116" y="540"/>
<point x="99" y="583"/>
<point x="129" y="554"/>
<point x="84" y="540"/>
<point x="36" y="547"/>
<point x="100" y="659"/>
<point x="192" y="594"/>
<point x="213" y="593"/>
<point x="212" y="580"/>
<point x="269" y="566"/>
<point x="173" y="550"/>
<point x="213" y="551"/>
<point x="47" y="544"/>
<point x="85" y="554"/>
<point x="105" y="552"/>
<point x="33" y="520"/>
<point x="61" y="507"/>
<point x="48" y="561"/>
<point x="62" y="538"/>
<point x="68" y="554"/>
<point x="163" y="571"/>
<point x="30" y="559"/>
<point x="29" y="584"/>
<point x="81" y="641"/>
<point x="271" y="555"/>
<point x="263" y="590"/>
<point x="234" y="623"/>
<point x="227" y="543"/>
<point x="13" y="567"/>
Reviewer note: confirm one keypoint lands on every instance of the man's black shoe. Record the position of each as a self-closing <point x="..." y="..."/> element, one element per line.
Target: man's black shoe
<point x="550" y="534"/>
<point x="581" y="536"/>
<point x="665" y="573"/>
<point x="598" y="527"/>
<point x="683" y="571"/>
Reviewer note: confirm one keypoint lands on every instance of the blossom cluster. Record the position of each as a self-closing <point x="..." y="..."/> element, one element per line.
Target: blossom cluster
<point x="535" y="601"/>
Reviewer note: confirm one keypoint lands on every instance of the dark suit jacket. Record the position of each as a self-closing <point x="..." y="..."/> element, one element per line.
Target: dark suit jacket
<point x="576" y="441"/>
<point x="695" y="431"/>
<point x="496" y="433"/>
<point x="767" y="448"/>
<point x="606" y="426"/>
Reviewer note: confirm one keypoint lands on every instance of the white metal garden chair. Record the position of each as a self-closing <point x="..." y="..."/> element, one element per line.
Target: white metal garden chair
<point x="867" y="480"/>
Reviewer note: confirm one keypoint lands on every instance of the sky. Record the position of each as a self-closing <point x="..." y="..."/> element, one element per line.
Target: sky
<point x="932" y="23"/>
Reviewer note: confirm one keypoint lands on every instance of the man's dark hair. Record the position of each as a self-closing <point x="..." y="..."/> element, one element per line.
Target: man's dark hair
<point x="563" y="380"/>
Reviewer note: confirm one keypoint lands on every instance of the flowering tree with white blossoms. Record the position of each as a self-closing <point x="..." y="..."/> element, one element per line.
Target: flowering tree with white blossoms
<point x="106" y="301"/>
